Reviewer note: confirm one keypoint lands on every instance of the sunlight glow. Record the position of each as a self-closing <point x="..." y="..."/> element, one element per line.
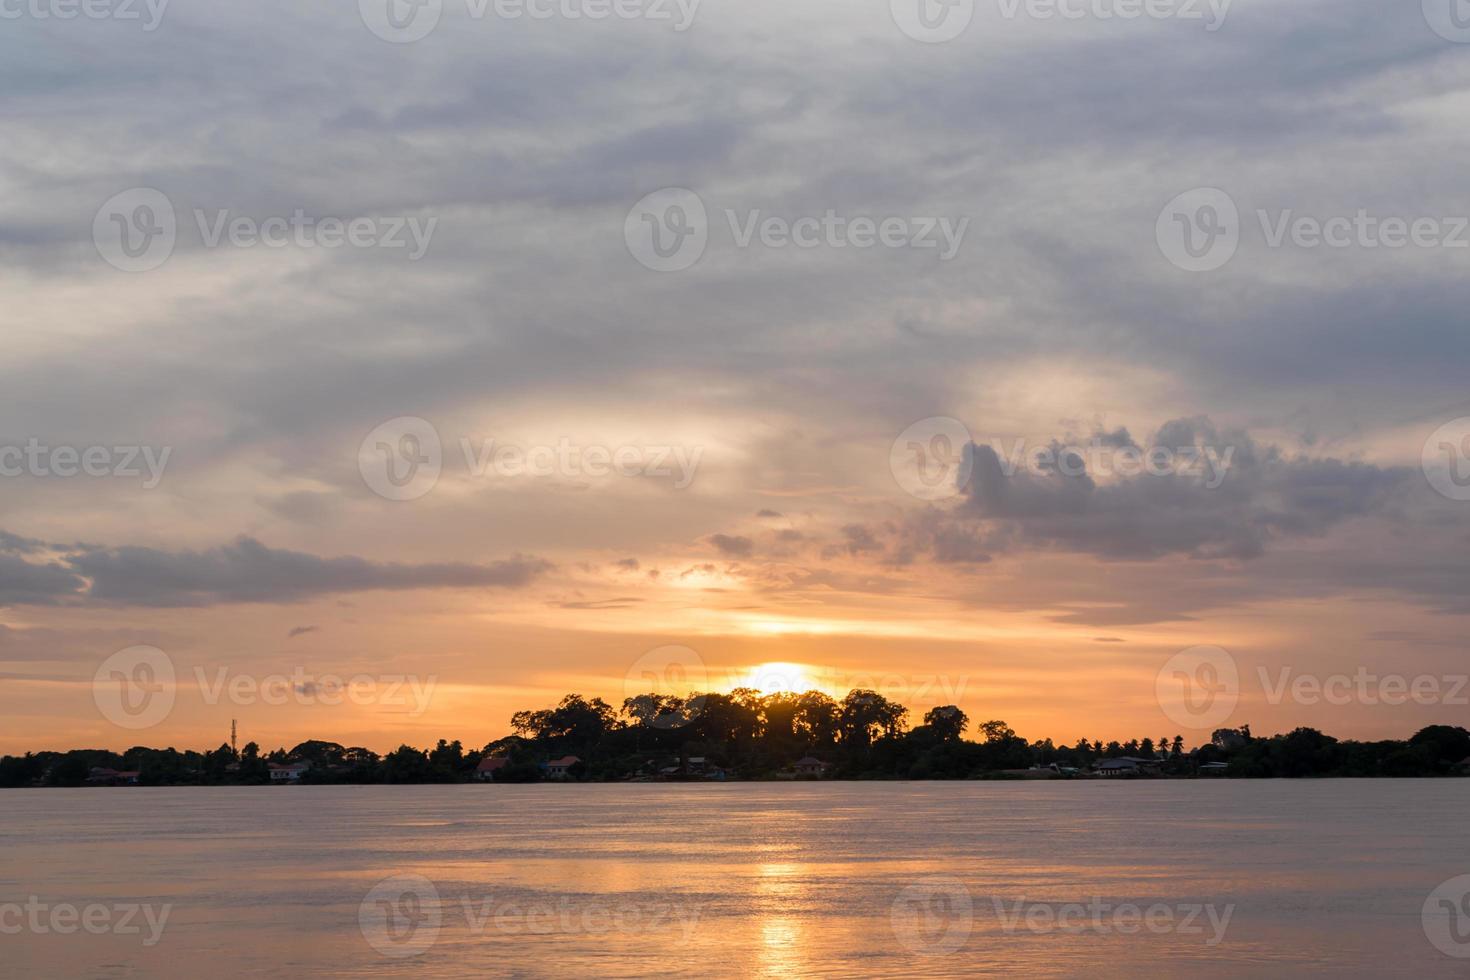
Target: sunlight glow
<point x="778" y="676"/>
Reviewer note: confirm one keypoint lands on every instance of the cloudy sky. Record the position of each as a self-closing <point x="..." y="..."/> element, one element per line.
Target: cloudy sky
<point x="493" y="356"/>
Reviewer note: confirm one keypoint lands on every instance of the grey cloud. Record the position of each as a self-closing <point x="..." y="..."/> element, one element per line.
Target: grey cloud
<point x="1067" y="151"/>
<point x="621" y="602"/>
<point x="287" y="377"/>
<point x="732" y="546"/>
<point x="860" y="539"/>
<point x="1264" y="497"/>
<point x="248" y="571"/>
<point x="26" y="583"/>
<point x="242" y="571"/>
<point x="304" y="506"/>
<point x="15" y="544"/>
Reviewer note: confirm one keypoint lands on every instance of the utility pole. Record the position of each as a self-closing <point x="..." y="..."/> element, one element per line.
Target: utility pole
<point x="233" y="746"/>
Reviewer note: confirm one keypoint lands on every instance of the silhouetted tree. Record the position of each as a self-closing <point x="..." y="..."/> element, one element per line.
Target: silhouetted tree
<point x="865" y="715"/>
<point x="947" y="722"/>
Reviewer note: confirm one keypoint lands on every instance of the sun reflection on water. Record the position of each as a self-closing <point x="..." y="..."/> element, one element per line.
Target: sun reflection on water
<point x="782" y="947"/>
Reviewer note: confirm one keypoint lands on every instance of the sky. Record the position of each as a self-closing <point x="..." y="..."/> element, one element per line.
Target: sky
<point x="375" y="372"/>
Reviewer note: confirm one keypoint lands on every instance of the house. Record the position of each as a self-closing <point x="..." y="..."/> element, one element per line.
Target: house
<point x="102" y="776"/>
<point x="489" y="766"/>
<point x="1213" y="768"/>
<point x="1117" y="767"/>
<point x="561" y="768"/>
<point x="695" y="767"/>
<point x="811" y="766"/>
<point x="287" y="774"/>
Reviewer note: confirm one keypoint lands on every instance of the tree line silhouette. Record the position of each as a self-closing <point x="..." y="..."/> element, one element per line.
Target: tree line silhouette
<point x="747" y="735"/>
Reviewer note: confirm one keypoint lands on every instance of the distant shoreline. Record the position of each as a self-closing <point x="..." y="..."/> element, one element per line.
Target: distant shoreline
<point x="748" y="737"/>
<point x="572" y="784"/>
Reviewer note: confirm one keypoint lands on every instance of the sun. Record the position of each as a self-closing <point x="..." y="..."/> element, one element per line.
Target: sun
<point x="778" y="677"/>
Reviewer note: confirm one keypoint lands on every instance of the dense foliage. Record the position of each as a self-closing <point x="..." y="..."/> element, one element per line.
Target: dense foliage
<point x="746" y="735"/>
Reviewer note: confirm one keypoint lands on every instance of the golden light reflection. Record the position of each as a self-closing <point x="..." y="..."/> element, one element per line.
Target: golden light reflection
<point x="782" y="939"/>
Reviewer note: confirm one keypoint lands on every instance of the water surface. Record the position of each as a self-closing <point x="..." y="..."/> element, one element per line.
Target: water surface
<point x="764" y="879"/>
